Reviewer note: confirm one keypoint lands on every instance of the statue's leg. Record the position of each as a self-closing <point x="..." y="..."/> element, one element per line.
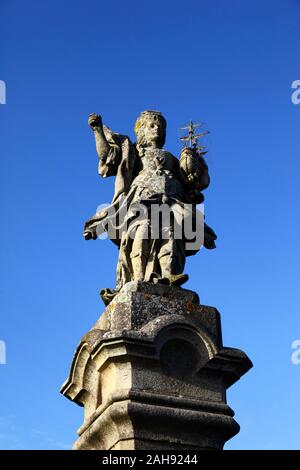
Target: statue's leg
<point x="124" y="266"/>
<point x="140" y="251"/>
<point x="171" y="257"/>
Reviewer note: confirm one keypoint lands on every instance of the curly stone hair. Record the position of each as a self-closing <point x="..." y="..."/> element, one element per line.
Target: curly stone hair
<point x="139" y="126"/>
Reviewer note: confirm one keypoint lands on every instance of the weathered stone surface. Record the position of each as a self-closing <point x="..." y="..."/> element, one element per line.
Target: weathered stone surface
<point x="152" y="374"/>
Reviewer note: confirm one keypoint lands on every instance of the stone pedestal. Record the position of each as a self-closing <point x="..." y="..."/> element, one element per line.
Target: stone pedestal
<point x="152" y="374"/>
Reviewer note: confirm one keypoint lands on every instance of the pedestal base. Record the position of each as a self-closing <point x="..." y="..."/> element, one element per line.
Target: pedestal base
<point x="152" y="374"/>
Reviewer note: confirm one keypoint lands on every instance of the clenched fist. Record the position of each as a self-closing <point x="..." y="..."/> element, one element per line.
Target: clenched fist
<point x="95" y="120"/>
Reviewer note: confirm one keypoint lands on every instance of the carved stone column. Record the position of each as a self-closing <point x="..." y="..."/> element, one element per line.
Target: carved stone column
<point x="152" y="374"/>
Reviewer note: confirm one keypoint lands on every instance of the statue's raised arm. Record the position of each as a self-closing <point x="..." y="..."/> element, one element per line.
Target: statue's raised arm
<point x="116" y="158"/>
<point x="108" y="146"/>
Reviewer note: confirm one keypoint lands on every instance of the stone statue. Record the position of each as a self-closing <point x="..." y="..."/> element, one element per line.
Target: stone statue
<point x="147" y="176"/>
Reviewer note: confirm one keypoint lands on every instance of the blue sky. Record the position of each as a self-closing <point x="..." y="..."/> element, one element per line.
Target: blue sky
<point x="229" y="63"/>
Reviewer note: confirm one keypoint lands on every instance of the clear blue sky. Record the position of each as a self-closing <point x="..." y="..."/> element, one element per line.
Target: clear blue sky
<point x="230" y="63"/>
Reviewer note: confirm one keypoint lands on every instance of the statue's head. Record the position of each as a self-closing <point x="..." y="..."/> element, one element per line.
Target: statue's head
<point x="150" y="129"/>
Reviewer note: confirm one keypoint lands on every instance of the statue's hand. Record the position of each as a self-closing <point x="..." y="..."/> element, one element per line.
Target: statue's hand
<point x="95" y="120"/>
<point x="193" y="179"/>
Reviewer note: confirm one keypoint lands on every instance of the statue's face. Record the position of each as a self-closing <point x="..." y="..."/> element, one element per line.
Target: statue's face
<point x="153" y="130"/>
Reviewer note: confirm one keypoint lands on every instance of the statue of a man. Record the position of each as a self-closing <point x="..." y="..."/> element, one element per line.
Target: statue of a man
<point x="147" y="176"/>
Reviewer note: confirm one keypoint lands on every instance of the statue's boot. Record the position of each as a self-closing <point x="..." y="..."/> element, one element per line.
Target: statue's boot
<point x="173" y="280"/>
<point x="107" y="295"/>
<point x="177" y="279"/>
